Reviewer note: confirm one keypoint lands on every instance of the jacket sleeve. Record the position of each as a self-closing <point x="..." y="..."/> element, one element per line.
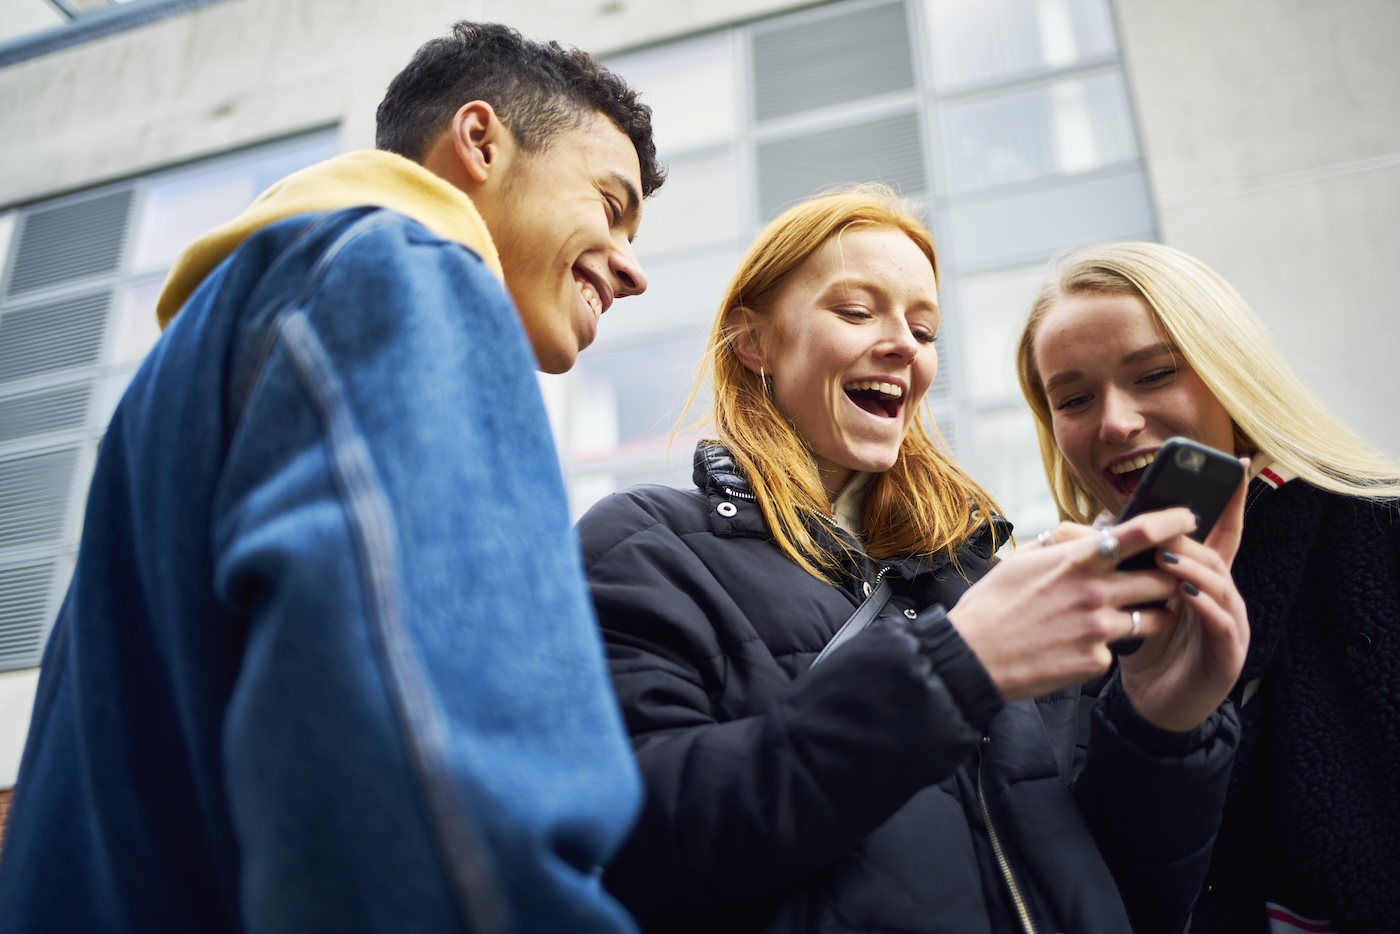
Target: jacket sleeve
<point x="421" y="732"/>
<point x="1153" y="801"/>
<point x="739" y="808"/>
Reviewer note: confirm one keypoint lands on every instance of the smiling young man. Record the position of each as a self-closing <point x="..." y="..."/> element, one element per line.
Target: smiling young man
<point x="327" y="662"/>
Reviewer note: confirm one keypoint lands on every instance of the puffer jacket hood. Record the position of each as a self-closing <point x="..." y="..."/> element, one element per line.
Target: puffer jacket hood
<point x="715" y="471"/>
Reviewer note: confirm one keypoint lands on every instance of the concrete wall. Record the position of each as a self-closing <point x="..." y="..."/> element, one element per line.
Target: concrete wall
<point x="1272" y="131"/>
<point x="243" y="71"/>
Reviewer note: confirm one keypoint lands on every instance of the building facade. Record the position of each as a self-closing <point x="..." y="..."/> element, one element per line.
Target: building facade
<point x="1260" y="135"/>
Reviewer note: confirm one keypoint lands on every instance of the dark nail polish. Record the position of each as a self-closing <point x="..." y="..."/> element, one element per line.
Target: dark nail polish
<point x="1170" y="558"/>
<point x="1191" y="589"/>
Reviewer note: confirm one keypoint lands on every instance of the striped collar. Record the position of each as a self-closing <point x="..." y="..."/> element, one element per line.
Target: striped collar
<point x="1273" y="475"/>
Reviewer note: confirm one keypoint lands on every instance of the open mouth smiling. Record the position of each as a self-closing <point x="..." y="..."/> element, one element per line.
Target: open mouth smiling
<point x="1126" y="474"/>
<point x="593" y="296"/>
<point x="879" y="398"/>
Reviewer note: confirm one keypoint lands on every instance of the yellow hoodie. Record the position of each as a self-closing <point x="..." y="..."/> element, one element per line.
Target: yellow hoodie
<point x="370" y="177"/>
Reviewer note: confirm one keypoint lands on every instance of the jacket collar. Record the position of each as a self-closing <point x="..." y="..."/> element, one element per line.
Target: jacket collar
<point x="718" y="475"/>
<point x="716" y="471"/>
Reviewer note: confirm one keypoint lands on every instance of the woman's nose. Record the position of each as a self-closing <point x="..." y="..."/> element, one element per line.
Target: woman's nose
<point x="900" y="343"/>
<point x="1120" y="418"/>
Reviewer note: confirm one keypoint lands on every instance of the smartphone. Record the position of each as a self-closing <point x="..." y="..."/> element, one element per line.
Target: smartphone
<point x="1188" y="474"/>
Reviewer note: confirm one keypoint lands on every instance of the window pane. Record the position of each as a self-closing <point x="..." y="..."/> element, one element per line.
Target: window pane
<point x="990" y="309"/>
<point x="182" y="205"/>
<point x="1032" y="227"/>
<point x="886" y="149"/>
<point x="683" y="293"/>
<point x="809" y="62"/>
<point x="699" y="204"/>
<point x="1009" y="466"/>
<point x="629" y="400"/>
<point x="7" y="232"/>
<point x="1064" y="129"/>
<point x="981" y="40"/>
<point x="137" y="330"/>
<point x="690" y="87"/>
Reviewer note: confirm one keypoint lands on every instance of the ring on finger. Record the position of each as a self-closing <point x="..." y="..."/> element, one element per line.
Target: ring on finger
<point x="1137" y="624"/>
<point x="1045" y="538"/>
<point x="1108" y="546"/>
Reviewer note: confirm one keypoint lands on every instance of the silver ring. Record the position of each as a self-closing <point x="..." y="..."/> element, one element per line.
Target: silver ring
<point x="1137" y="625"/>
<point x="1108" y="546"/>
<point x="1045" y="538"/>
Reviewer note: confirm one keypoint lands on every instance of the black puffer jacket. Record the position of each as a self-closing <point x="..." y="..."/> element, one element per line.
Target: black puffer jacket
<point x="852" y="797"/>
<point x="1313" y="818"/>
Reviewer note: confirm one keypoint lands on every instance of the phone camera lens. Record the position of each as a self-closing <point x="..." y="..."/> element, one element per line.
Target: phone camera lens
<point x="1191" y="460"/>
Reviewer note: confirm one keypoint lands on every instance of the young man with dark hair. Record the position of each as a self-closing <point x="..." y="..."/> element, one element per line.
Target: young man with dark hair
<point x="327" y="661"/>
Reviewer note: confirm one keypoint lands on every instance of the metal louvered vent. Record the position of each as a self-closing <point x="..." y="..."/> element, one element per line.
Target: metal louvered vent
<point x="24" y="599"/>
<point x="831" y="60"/>
<point x="80" y="238"/>
<point x="884" y="150"/>
<point x="53" y="336"/>
<point x="37" y="412"/>
<point x="34" y="497"/>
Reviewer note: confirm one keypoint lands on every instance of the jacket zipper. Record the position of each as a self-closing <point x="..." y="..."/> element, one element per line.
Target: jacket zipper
<point x="740" y="494"/>
<point x="1022" y="912"/>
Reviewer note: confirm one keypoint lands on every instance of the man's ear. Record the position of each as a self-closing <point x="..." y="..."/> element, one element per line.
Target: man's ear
<point x="741" y="328"/>
<point x="480" y="140"/>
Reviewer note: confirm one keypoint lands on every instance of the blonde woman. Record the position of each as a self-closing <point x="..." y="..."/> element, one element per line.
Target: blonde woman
<point x="940" y="769"/>
<point x="1130" y="343"/>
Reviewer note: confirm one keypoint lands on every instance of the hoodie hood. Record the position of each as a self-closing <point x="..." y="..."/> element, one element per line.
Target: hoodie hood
<point x="370" y="177"/>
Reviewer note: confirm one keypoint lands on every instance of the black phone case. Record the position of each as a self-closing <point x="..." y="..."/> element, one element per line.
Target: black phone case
<point x="1189" y="474"/>
<point x="1185" y="473"/>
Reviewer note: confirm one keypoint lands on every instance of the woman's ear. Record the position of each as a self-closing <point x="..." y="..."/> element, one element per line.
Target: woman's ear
<point x="742" y="331"/>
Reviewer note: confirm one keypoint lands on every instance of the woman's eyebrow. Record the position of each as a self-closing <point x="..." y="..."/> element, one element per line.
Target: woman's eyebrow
<point x="1148" y="352"/>
<point x="869" y="285"/>
<point x="1137" y="356"/>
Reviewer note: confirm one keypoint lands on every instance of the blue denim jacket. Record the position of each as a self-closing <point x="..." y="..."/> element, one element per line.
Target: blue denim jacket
<point x="327" y="661"/>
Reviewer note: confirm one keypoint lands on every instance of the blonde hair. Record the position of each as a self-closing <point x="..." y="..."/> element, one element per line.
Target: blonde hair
<point x="925" y="503"/>
<point x="1214" y="329"/>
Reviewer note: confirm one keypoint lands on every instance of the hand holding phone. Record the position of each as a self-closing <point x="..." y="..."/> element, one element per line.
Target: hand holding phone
<point x="1184" y="473"/>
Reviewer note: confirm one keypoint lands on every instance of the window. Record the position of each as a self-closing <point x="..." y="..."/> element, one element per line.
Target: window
<point x="77" y="316"/>
<point x="1009" y="122"/>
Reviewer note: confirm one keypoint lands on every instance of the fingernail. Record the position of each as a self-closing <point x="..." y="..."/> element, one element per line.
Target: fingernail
<point x="1170" y="558"/>
<point x="1191" y="589"/>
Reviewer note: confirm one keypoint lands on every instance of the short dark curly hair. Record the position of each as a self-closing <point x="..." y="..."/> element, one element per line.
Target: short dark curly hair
<point x="537" y="89"/>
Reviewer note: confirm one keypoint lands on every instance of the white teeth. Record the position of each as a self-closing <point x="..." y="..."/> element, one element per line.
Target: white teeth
<point x="590" y="296"/>
<point x="888" y="389"/>
<point x="1137" y="463"/>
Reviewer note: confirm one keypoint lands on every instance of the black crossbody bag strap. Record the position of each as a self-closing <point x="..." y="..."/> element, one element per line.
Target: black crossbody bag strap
<point x="867" y="611"/>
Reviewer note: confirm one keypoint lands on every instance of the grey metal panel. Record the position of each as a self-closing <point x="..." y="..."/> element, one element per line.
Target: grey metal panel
<point x="829" y="60"/>
<point x="53" y="336"/>
<point x="888" y="150"/>
<point x="1032" y="227"/>
<point x="24" y="600"/>
<point x="34" y="492"/>
<point x="38" y="412"/>
<point x="75" y="239"/>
